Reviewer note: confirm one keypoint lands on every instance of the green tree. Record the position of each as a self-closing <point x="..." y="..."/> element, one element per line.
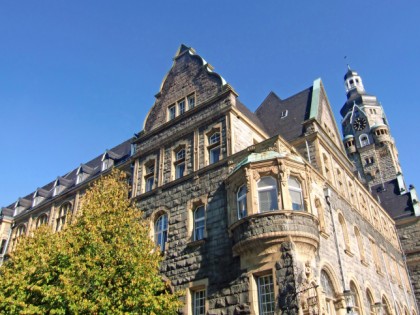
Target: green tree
<point x="104" y="262"/>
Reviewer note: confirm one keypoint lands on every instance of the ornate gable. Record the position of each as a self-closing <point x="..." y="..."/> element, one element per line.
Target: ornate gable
<point x="190" y="77"/>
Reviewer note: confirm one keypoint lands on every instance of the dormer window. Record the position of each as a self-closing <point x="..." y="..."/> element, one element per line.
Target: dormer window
<point x="56" y="190"/>
<point x="79" y="178"/>
<point x="106" y="164"/>
<point x="37" y="200"/>
<point x="284" y="114"/>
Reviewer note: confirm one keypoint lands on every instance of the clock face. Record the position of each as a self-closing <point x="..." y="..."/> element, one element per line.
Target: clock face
<point x="359" y="124"/>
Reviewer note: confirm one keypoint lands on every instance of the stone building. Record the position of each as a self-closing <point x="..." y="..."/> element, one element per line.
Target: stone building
<point x="371" y="148"/>
<point x="254" y="212"/>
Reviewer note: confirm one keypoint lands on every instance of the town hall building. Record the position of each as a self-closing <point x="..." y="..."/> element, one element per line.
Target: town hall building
<point x="265" y="212"/>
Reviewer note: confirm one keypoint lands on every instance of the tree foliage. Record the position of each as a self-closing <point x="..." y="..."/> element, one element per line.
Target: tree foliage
<point x="104" y="262"/>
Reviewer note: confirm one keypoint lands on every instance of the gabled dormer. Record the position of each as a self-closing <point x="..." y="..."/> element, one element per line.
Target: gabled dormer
<point x="60" y="184"/>
<point x="39" y="196"/>
<point x="21" y="205"/>
<point x="83" y="172"/>
<point x="109" y="158"/>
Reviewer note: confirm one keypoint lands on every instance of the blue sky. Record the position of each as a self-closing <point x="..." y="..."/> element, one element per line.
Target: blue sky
<point x="78" y="77"/>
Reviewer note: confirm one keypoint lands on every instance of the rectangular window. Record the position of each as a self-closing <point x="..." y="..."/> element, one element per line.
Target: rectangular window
<point x="191" y="102"/>
<point x="181" y="107"/>
<point x="149" y="183"/>
<point x="149" y="177"/>
<point x="266" y="300"/>
<point x="179" y="170"/>
<point x="171" y="112"/>
<point x="214" y="155"/>
<point x="199" y="302"/>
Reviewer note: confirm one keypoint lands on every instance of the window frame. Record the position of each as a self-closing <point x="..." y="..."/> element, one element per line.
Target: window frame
<point x="189" y="98"/>
<point x="171" y="112"/>
<point x="214" y="146"/>
<point x="179" y="162"/>
<point x="149" y="175"/>
<point x="196" y="221"/>
<point x="181" y="106"/>
<point x="195" y="300"/>
<point x="261" y="296"/>
<point x="298" y="190"/>
<point x="161" y="230"/>
<point x="241" y="200"/>
<point x="268" y="188"/>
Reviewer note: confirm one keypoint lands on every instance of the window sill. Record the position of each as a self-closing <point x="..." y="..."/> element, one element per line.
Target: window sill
<point x="364" y="262"/>
<point x="348" y="252"/>
<point x="196" y="243"/>
<point x="324" y="234"/>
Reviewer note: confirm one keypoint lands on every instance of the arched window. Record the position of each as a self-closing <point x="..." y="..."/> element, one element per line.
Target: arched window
<point x="371" y="302"/>
<point x="267" y="194"/>
<point x="161" y="231"/>
<point x="241" y="202"/>
<point x="364" y="140"/>
<point x="295" y="191"/>
<point x="199" y="223"/>
<point x="62" y="216"/>
<point x="345" y="232"/>
<point x="386" y="307"/>
<point x="20" y="231"/>
<point x="328" y="291"/>
<point x="357" y="303"/>
<point x="42" y="219"/>
<point x="359" y="243"/>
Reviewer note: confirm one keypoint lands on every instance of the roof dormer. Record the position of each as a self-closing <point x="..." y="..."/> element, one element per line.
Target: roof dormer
<point x="20" y="205"/>
<point x="83" y="172"/>
<point x="60" y="184"/>
<point x="39" y="196"/>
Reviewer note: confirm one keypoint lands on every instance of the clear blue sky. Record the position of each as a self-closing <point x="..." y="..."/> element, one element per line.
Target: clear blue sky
<point x="78" y="77"/>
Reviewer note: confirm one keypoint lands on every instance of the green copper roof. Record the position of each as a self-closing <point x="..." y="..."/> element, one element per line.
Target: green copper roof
<point x="257" y="157"/>
<point x="316" y="91"/>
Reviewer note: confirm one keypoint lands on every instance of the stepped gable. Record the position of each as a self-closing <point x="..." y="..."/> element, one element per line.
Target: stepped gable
<point x="297" y="107"/>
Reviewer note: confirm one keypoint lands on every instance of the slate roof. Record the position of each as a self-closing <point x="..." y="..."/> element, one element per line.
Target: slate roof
<point x="398" y="206"/>
<point x="250" y="115"/>
<point x="119" y="153"/>
<point x="289" y="127"/>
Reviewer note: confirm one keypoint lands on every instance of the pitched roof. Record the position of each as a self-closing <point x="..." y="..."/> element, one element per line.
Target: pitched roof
<point x="120" y="152"/>
<point x="250" y="115"/>
<point x="397" y="205"/>
<point x="272" y="109"/>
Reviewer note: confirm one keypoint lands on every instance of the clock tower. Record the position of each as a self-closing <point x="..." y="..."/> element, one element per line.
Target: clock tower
<point x="367" y="137"/>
